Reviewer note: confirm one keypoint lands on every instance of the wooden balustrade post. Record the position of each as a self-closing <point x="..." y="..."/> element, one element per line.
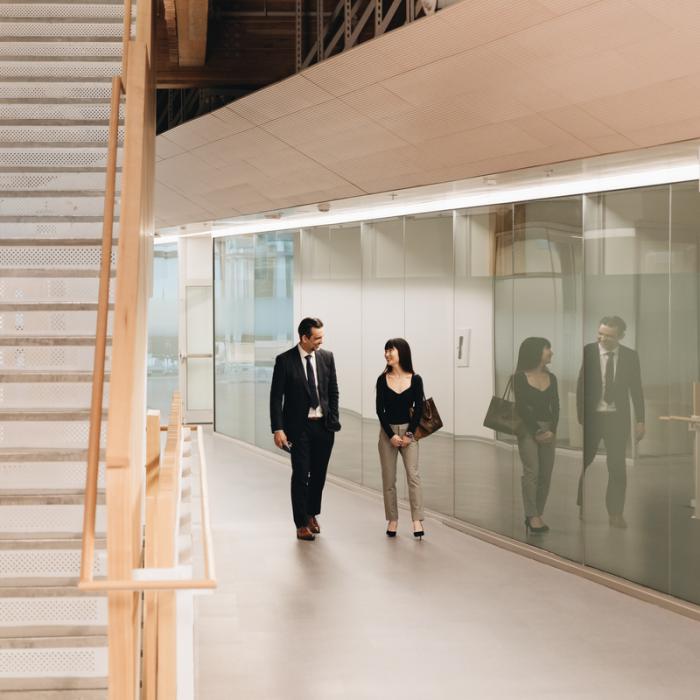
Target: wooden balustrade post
<point x="150" y="628"/>
<point x="166" y="554"/>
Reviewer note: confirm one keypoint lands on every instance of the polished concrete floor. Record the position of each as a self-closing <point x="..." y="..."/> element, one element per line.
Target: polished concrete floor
<point x="357" y="616"/>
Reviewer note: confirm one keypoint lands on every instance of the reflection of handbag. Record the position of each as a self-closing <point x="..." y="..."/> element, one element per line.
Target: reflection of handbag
<point x="502" y="415"/>
<point x="430" y="420"/>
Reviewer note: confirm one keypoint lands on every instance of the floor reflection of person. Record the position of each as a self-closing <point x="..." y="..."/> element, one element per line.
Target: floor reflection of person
<point x="610" y="376"/>
<point x="399" y="407"/>
<point x="537" y="404"/>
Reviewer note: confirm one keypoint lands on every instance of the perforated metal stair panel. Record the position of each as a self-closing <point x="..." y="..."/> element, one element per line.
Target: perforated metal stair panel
<point x="81" y="30"/>
<point x="53" y="229"/>
<point x="56" y="157"/>
<point x="54" y="90"/>
<point x="43" y="520"/>
<point x="81" y="662"/>
<point x="52" y="257"/>
<point x="59" y="69"/>
<point x="49" y="323"/>
<point x="63" y="182"/>
<point x="44" y="11"/>
<point x="41" y="434"/>
<point x="45" y="564"/>
<point x="53" y="288"/>
<point x="81" y="205"/>
<point x="52" y="612"/>
<point x="49" y="357"/>
<point x="56" y="134"/>
<point x="58" y="394"/>
<point x="49" y="111"/>
<point x="32" y="477"/>
<point x="61" y="50"/>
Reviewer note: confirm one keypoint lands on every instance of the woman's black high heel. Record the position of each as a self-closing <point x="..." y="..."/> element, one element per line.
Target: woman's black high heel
<point x="391" y="533"/>
<point x="533" y="529"/>
<point x="419" y="533"/>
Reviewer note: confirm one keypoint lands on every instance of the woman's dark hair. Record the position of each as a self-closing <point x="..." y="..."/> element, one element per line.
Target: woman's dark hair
<point x="530" y="354"/>
<point x="307" y="324"/>
<point x="404" y="350"/>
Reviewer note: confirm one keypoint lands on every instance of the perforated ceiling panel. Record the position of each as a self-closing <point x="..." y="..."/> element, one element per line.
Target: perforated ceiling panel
<point x="481" y="87"/>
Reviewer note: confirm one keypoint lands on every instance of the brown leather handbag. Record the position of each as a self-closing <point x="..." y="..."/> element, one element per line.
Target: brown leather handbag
<point x="430" y="421"/>
<point x="502" y="416"/>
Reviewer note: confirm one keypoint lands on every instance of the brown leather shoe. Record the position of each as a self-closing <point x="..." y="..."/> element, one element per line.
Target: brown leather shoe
<point x="303" y="533"/>
<point x="313" y="525"/>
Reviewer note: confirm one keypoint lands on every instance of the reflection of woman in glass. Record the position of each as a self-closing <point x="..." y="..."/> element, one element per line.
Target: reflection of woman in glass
<point x="399" y="407"/>
<point x="537" y="403"/>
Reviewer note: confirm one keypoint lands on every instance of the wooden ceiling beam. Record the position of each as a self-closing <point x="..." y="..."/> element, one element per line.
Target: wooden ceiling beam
<point x="192" y="24"/>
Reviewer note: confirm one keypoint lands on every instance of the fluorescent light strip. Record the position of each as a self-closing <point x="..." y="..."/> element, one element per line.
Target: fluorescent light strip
<point x="500" y="195"/>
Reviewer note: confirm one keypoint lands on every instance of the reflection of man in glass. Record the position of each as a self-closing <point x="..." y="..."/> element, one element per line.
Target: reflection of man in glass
<point x="610" y="375"/>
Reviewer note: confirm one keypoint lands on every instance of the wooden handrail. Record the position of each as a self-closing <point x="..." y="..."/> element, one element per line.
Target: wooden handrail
<point x="126" y="36"/>
<point x="207" y="582"/>
<point x="98" y="368"/>
<point x="209" y="567"/>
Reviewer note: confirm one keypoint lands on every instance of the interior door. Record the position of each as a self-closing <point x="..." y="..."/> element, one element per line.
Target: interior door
<point x="196" y="338"/>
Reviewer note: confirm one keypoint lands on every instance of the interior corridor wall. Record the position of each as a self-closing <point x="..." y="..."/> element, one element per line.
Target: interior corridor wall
<point x="465" y="288"/>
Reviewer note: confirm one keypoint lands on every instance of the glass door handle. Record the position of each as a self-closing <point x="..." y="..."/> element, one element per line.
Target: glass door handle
<point x="196" y="356"/>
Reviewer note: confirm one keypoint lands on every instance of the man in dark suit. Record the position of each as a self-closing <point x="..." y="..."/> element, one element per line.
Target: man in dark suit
<point x="304" y="418"/>
<point x="610" y="376"/>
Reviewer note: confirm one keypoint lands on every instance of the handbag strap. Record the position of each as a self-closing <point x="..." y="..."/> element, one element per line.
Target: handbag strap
<point x="509" y="386"/>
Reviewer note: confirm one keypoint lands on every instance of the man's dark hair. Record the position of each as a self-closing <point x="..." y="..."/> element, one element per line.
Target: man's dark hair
<point x="614" y="322"/>
<point x="307" y="324"/>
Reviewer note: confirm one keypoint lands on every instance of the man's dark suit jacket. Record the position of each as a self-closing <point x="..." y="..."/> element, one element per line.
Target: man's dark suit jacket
<point x="290" y="396"/>
<point x="628" y="383"/>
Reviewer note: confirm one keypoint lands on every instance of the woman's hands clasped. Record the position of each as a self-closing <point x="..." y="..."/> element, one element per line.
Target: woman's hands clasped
<point x="401" y="441"/>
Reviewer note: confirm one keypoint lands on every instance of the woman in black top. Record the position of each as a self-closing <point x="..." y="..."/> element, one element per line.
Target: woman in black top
<point x="399" y="407"/>
<point x="537" y="404"/>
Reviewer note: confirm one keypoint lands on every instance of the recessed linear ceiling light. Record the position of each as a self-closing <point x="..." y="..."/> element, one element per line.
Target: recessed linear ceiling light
<point x="471" y="196"/>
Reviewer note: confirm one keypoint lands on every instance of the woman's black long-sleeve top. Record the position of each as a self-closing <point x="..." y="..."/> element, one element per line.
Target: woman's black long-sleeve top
<point x="534" y="405"/>
<point x="395" y="409"/>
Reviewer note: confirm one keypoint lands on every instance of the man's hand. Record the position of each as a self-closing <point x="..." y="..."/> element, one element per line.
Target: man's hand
<point x="280" y="439"/>
<point x="639" y="431"/>
<point x="544" y="438"/>
<point x="397" y="441"/>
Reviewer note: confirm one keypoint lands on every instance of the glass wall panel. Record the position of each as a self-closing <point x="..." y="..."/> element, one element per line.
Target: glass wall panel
<point x="625" y="494"/>
<point x="429" y="311"/>
<point x="382" y="318"/>
<point x="547" y="303"/>
<point x="466" y="289"/>
<point x="331" y="289"/>
<point x="682" y="464"/>
<point x="274" y="322"/>
<point x="482" y="466"/>
<point x="163" y="310"/>
<point x="234" y="337"/>
<point x="504" y="350"/>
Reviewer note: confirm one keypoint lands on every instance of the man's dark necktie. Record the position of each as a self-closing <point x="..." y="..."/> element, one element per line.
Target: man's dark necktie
<point x="609" y="378"/>
<point x="311" y="379"/>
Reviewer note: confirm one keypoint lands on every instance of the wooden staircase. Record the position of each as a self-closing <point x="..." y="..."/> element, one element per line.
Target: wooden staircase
<point x="56" y="63"/>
